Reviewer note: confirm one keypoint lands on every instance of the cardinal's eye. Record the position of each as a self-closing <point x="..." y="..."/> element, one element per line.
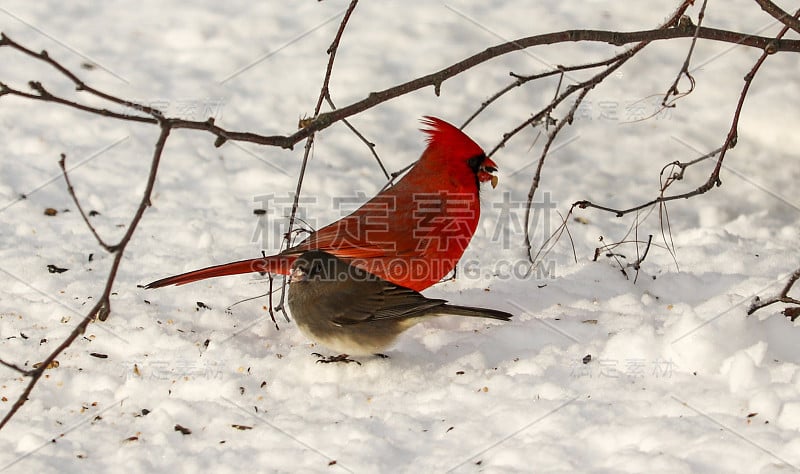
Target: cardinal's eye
<point x="475" y="162"/>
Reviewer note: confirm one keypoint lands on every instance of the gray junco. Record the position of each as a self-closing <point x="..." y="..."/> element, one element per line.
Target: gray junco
<point x="354" y="312"/>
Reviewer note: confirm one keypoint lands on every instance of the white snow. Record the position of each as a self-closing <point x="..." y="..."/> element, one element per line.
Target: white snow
<point x="680" y="379"/>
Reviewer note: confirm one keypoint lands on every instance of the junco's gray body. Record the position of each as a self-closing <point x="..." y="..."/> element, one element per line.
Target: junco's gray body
<point x="354" y="312"/>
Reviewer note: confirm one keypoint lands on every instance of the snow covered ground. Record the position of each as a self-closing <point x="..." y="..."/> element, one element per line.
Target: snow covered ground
<point x="679" y="380"/>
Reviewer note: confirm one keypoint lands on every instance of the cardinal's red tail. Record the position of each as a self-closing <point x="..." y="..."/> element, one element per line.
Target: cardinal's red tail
<point x="274" y="264"/>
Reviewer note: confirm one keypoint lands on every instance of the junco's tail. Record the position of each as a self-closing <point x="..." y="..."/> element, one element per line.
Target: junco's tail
<point x="474" y="312"/>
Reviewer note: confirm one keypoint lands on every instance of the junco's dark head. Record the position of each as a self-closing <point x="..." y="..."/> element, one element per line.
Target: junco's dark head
<point x="354" y="312"/>
<point x="319" y="266"/>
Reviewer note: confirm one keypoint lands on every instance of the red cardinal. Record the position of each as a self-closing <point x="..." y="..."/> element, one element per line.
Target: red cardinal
<point x="411" y="234"/>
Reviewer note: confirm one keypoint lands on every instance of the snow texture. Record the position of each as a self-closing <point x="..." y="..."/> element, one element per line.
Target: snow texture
<point x="596" y="372"/>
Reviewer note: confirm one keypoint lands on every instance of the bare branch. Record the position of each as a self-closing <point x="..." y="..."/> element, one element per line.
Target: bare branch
<point x="79" y="84"/>
<point x="332" y="49"/>
<point x="15" y="367"/>
<point x="730" y="142"/>
<point x="325" y="120"/>
<point x="674" y="176"/>
<point x="779" y="14"/>
<point x="615" y="38"/>
<point x="102" y="308"/>
<point x="584" y="87"/>
<point x="782" y="297"/>
<point x="45" y="96"/>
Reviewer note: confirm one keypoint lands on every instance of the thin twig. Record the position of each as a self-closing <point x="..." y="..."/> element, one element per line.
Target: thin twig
<point x="782" y="297"/>
<point x="71" y="191"/>
<point x="608" y="249"/>
<point x="520" y="80"/>
<point x="666" y="232"/>
<point x="15" y="367"/>
<point x="673" y="89"/>
<point x="540" y="165"/>
<point x="666" y="181"/>
<point x="269" y="303"/>
<point x="361" y="137"/>
<point x="397" y="174"/>
<point x="324" y="92"/>
<point x="292" y="217"/>
<point x="636" y="265"/>
<point x="582" y="86"/>
<point x="553" y="238"/>
<point x="672" y="176"/>
<point x="779" y="14"/>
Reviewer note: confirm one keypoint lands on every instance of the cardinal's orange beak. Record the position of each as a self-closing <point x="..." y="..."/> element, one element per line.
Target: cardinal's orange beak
<point x="485" y="172"/>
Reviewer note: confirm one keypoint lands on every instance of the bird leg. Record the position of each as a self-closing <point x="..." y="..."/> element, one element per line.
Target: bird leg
<point x="338" y="358"/>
